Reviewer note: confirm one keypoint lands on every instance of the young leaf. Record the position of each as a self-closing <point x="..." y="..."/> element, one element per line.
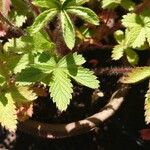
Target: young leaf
<point x="84" y="13"/>
<point x="8" y="117"/>
<point x="61" y="89"/>
<point x="67" y="30"/>
<point x="138" y="28"/>
<point x="42" y="20"/>
<point x="147" y="105"/>
<point x="117" y="52"/>
<point x="119" y="36"/>
<point x="136" y="75"/>
<point x="132" y="56"/>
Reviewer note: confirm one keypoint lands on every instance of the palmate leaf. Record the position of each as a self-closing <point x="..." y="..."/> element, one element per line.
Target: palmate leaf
<point x="147" y="105"/>
<point x="71" y="64"/>
<point x="8" y="117"/>
<point x="67" y="29"/>
<point x="61" y="89"/>
<point x="57" y="75"/>
<point x="84" y="13"/>
<point x="136" y="75"/>
<point x="43" y="19"/>
<point x="123" y="47"/>
<point x="138" y="26"/>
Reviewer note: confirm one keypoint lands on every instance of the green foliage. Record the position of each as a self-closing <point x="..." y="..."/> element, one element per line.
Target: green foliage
<point x="8" y="117"/>
<point x="32" y="57"/>
<point x="57" y="75"/>
<point x="111" y="4"/>
<point x="62" y="9"/>
<point x="67" y="29"/>
<point x="2" y="80"/>
<point x="61" y="89"/>
<point x="123" y="48"/>
<point x="138" y="28"/>
<point x="136" y="75"/>
<point x="38" y="42"/>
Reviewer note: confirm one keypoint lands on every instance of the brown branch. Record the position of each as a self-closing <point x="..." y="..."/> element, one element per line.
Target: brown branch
<point x="53" y="131"/>
<point x="139" y="8"/>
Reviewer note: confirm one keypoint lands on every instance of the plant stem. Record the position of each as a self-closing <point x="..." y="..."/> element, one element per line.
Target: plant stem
<point x="112" y="70"/>
<point x="16" y="30"/>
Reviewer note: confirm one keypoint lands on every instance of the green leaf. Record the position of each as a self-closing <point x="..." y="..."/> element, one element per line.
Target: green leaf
<point x="2" y="80"/>
<point x="80" y="2"/>
<point x="39" y="42"/>
<point x="61" y="89"/>
<point x="147" y="105"/>
<point x="67" y="30"/>
<point x="46" y="3"/>
<point x="71" y="59"/>
<point x="131" y="20"/>
<point x="20" y="6"/>
<point x="147" y="32"/>
<point x="136" y="37"/>
<point x="85" y="77"/>
<point x="132" y="56"/>
<point x="117" y="52"/>
<point x="22" y="94"/>
<point x="42" y="19"/>
<point x="111" y="4"/>
<point x="119" y="36"/>
<point x="84" y="13"/>
<point x="19" y="62"/>
<point x="29" y="76"/>
<point x="136" y="75"/>
<point x="45" y="63"/>
<point x="138" y="28"/>
<point x="128" y="4"/>
<point x="8" y="117"/>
